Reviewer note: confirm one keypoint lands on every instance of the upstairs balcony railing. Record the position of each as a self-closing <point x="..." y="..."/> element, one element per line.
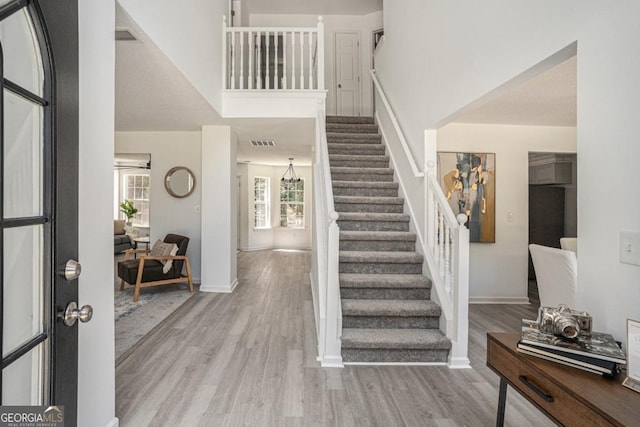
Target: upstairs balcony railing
<point x="271" y="58"/>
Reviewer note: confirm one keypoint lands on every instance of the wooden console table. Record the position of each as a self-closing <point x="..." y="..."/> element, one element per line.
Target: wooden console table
<point x="568" y="396"/>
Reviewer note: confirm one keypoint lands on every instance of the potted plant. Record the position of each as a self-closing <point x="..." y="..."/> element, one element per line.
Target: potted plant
<point x="128" y="209"/>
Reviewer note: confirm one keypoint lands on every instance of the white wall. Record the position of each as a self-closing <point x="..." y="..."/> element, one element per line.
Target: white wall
<point x="498" y="271"/>
<point x="96" y="371"/>
<point x="169" y="214"/>
<point x="219" y="216"/>
<point x="462" y="50"/>
<point x="190" y="34"/>
<point x="276" y="236"/>
<point x="364" y="25"/>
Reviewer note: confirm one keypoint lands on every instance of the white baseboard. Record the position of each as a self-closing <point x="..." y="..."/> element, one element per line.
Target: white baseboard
<point x="114" y="422"/>
<point x="221" y="289"/>
<point x="332" y="362"/>
<point x="459" y="363"/>
<point x="499" y="300"/>
<point x="396" y="363"/>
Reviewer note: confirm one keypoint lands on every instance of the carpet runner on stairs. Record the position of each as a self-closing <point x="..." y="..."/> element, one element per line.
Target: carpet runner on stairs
<point x="387" y="313"/>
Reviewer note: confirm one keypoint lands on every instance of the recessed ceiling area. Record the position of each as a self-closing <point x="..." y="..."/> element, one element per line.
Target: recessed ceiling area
<point x="313" y="7"/>
<point x="292" y="137"/>
<point x="548" y="99"/>
<point x="152" y="95"/>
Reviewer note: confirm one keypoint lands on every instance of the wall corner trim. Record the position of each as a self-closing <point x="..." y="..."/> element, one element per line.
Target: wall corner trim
<point x="222" y="289"/>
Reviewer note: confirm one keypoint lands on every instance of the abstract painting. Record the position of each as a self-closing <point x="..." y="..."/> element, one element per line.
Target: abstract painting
<point x="468" y="182"/>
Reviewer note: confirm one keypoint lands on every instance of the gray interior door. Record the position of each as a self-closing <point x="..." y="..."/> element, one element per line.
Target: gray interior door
<point x="38" y="203"/>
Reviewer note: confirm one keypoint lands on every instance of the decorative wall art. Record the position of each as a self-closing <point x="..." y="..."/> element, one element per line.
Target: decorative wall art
<point x="468" y="182"/>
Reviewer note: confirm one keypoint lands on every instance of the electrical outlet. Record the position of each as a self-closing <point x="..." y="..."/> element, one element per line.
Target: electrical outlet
<point x="630" y="247"/>
<point x="509" y="216"/>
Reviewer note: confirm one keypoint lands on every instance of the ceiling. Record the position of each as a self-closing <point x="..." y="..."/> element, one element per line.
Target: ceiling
<point x="548" y="99"/>
<point x="313" y="7"/>
<point x="153" y="95"/>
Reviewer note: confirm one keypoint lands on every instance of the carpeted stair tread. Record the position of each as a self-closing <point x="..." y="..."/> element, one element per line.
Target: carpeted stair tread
<point x="378" y="235"/>
<point x="386" y="257"/>
<point x="408" y="281"/>
<point x="423" y="339"/>
<point x="354" y="138"/>
<point x="376" y="157"/>
<point x="349" y="119"/>
<point x="373" y="216"/>
<point x="361" y="171"/>
<point x="364" y="184"/>
<point x="360" y="128"/>
<point x="401" y="308"/>
<point x="373" y="149"/>
<point x="360" y="200"/>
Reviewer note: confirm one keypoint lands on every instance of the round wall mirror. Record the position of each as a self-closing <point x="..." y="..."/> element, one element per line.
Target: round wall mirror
<point x="180" y="181"/>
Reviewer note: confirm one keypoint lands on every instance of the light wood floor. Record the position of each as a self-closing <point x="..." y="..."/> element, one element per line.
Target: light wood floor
<point x="249" y="359"/>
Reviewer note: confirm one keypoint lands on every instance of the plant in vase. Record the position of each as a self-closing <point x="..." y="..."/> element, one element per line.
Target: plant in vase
<point x="129" y="210"/>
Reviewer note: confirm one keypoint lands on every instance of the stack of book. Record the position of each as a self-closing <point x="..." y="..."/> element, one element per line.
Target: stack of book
<point x="599" y="354"/>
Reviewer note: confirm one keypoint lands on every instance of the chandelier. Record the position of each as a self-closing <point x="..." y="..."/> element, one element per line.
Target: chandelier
<point x="290" y="175"/>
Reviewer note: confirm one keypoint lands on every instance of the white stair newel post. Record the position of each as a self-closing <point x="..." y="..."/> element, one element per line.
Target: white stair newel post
<point x="320" y="57"/>
<point x="461" y="297"/>
<point x="224" y="52"/>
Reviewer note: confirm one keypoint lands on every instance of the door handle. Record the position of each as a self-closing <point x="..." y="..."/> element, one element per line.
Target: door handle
<point x="339" y="85"/>
<point x="71" y="314"/>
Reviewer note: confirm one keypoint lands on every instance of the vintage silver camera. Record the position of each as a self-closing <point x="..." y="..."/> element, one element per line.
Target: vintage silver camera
<point x="564" y="322"/>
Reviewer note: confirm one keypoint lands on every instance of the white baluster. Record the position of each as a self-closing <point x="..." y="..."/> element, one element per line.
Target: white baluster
<point x="301" y="60"/>
<point x="267" y="63"/>
<point x="259" y="59"/>
<point x="310" y="61"/>
<point x="251" y="53"/>
<point x="441" y="243"/>
<point x="233" y="60"/>
<point x="293" y="60"/>
<point x="284" y="60"/>
<point x="225" y="53"/>
<point x="320" y="53"/>
<point x="276" y="77"/>
<point x="241" y="60"/>
<point x="447" y="259"/>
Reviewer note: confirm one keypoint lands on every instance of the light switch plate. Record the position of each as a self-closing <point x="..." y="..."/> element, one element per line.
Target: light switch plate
<point x="630" y="247"/>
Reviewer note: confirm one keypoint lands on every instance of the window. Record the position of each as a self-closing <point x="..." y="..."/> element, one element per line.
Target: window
<point x="292" y="204"/>
<point x="136" y="188"/>
<point x="261" y="202"/>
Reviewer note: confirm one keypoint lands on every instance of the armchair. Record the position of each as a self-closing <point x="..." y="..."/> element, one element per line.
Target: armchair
<point x="147" y="271"/>
<point x="556" y="274"/>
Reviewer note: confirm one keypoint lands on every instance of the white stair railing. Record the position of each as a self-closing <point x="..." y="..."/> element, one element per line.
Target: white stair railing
<point x="446" y="246"/>
<point x="326" y="234"/>
<point x="270" y="58"/>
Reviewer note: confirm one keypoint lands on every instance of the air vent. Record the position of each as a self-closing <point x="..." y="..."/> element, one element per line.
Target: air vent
<point x="125" y="35"/>
<point x="263" y="143"/>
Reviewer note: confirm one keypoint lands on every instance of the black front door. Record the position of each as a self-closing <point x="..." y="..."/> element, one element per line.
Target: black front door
<point x="38" y="202"/>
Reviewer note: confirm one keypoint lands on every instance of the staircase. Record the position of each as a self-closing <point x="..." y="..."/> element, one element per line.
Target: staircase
<point x="387" y="314"/>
